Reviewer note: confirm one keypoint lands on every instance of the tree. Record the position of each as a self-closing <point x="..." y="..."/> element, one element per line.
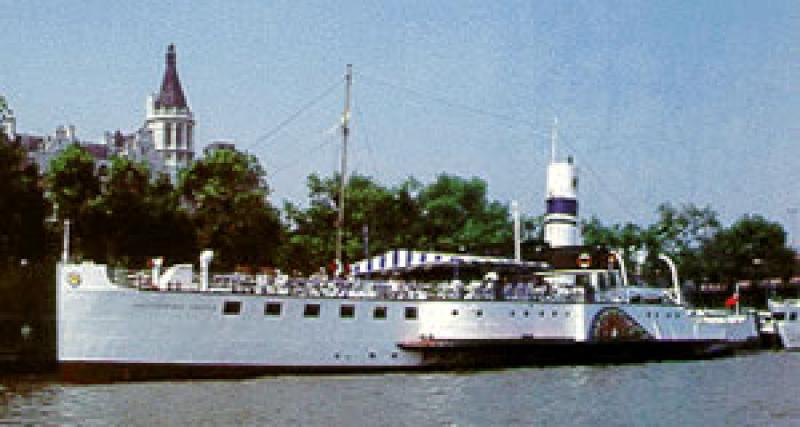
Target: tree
<point x="752" y="248"/>
<point x="456" y="216"/>
<point x="227" y="197"/>
<point x="22" y="207"/>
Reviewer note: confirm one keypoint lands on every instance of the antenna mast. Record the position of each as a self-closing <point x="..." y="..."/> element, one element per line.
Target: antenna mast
<point x="343" y="173"/>
<point x="553" y="139"/>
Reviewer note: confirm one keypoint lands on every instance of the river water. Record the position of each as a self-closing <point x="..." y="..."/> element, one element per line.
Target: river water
<point x="761" y="388"/>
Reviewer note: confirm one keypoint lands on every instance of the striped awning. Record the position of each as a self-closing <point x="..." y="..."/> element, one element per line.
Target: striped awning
<point x="403" y="260"/>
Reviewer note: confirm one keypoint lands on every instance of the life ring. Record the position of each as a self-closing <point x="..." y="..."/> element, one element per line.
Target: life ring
<point x="584" y="261"/>
<point x="74" y="279"/>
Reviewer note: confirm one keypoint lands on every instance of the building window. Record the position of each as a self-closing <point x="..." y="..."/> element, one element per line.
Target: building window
<point x="379" y="313"/>
<point x="167" y="135"/>
<point x="411" y="313"/>
<point x="178" y="136"/>
<point x="311" y="310"/>
<point x="347" y="312"/>
<point x="232" y="307"/>
<point x="272" y="309"/>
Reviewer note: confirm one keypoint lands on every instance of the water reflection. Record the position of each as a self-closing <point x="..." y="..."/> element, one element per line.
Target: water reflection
<point x="760" y="389"/>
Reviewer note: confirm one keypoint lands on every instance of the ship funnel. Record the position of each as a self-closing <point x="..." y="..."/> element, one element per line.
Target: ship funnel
<point x="205" y="259"/>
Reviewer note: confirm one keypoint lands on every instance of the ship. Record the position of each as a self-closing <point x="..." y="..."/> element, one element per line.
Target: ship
<point x="402" y="310"/>
<point x="784" y="315"/>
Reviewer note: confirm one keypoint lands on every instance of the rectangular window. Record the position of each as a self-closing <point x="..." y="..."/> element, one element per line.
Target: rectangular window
<point x="167" y="135"/>
<point x="411" y="313"/>
<point x="379" y="313"/>
<point x="793" y="316"/>
<point x="347" y="312"/>
<point x="178" y="136"/>
<point x="232" y="307"/>
<point x="311" y="310"/>
<point x="272" y="309"/>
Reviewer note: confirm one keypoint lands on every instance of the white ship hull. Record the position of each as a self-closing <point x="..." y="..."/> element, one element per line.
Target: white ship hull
<point x="101" y="325"/>
<point x="786" y="317"/>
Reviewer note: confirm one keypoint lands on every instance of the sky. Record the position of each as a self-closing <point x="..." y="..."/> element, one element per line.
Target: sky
<point x="670" y="101"/>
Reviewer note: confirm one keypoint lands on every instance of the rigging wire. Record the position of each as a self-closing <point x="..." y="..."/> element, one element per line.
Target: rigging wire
<point x="305" y="107"/>
<point x="452" y="104"/>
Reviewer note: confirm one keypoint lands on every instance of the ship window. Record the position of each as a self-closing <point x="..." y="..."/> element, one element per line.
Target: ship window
<point x="379" y="313"/>
<point x="541" y="313"/>
<point x="411" y="313"/>
<point x="779" y="316"/>
<point x="649" y="314"/>
<point x="232" y="307"/>
<point x="793" y="315"/>
<point x="555" y="313"/>
<point x="513" y="313"/>
<point x="566" y="314"/>
<point x="371" y="354"/>
<point x="394" y="355"/>
<point x="311" y="310"/>
<point x="272" y="309"/>
<point x="454" y="312"/>
<point x="479" y="313"/>
<point x="669" y="315"/>
<point x="525" y="313"/>
<point x="656" y="315"/>
<point x="347" y="312"/>
<point x="677" y="315"/>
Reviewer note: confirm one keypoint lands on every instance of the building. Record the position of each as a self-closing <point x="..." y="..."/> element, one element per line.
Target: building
<point x="170" y="120"/>
<point x="165" y="142"/>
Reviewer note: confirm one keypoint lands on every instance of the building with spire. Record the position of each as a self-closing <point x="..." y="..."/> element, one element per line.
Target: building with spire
<point x="170" y="120"/>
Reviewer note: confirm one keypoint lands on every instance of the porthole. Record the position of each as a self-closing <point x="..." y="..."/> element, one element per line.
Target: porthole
<point x="371" y="354"/>
<point x="336" y="356"/>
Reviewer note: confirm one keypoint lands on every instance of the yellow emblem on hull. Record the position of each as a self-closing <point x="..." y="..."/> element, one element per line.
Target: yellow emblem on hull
<point x="74" y="279"/>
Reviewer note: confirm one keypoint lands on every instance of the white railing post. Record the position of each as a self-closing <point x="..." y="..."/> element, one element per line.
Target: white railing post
<point x="205" y="259"/>
<point x="674" y="273"/>
<point x="155" y="272"/>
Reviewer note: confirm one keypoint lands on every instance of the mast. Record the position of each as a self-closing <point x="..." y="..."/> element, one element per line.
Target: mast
<point x="553" y="140"/>
<point x="343" y="173"/>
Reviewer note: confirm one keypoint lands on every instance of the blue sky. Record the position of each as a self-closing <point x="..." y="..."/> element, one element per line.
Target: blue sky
<point x="669" y="101"/>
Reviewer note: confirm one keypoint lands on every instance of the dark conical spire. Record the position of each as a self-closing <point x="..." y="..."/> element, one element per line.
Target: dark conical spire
<point x="171" y="94"/>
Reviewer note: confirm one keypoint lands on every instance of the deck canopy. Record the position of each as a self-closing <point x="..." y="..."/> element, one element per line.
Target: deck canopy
<point x="402" y="262"/>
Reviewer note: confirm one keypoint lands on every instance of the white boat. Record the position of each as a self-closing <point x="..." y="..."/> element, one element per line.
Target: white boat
<point x="451" y="310"/>
<point x="785" y="315"/>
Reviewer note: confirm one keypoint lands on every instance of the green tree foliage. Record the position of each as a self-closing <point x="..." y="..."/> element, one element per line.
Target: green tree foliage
<point x="74" y="189"/>
<point x="452" y="214"/>
<point x="227" y="198"/>
<point x="457" y="216"/>
<point x="752" y="248"/>
<point x="22" y="207"/>
<point x="141" y="218"/>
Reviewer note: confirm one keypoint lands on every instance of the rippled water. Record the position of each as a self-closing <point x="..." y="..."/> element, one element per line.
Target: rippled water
<point x="755" y="389"/>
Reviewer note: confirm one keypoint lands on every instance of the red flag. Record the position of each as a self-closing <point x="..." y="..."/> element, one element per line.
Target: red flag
<point x="732" y="301"/>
